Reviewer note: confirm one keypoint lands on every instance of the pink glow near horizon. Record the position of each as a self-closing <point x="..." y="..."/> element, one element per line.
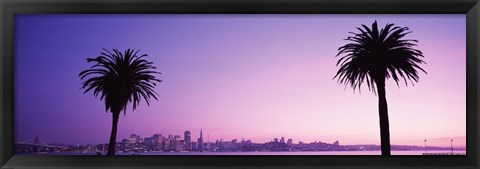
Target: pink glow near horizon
<point x="259" y="78"/>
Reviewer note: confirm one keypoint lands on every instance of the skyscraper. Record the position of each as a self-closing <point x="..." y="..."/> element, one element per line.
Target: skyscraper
<point x="200" y="141"/>
<point x="188" y="144"/>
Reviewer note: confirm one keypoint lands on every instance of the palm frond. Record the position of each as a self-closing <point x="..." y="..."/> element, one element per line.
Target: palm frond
<point x="120" y="78"/>
<point x="373" y="55"/>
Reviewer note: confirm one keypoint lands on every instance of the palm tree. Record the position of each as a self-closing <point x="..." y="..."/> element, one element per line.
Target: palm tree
<point x="120" y="78"/>
<point x="372" y="56"/>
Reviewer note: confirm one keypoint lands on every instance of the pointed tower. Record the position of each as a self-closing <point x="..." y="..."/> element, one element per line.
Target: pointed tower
<point x="200" y="141"/>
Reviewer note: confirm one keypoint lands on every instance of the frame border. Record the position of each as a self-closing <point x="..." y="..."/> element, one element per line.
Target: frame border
<point x="9" y="8"/>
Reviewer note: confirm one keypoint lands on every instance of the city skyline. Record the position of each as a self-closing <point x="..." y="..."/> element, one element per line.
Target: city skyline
<point x="204" y="145"/>
<point x="297" y="141"/>
<point x="236" y="75"/>
<point x="158" y="144"/>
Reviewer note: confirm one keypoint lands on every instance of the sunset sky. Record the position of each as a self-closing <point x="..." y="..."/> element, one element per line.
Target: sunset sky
<point x="255" y="77"/>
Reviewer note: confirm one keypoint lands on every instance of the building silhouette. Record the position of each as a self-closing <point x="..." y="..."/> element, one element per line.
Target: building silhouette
<point x="188" y="143"/>
<point x="200" y="141"/>
<point x="290" y="142"/>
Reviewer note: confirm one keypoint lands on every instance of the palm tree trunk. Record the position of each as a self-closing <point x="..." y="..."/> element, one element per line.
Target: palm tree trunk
<point x="113" y="135"/>
<point x="384" y="124"/>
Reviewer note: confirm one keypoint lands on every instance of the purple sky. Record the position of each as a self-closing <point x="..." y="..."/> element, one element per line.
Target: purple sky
<point x="236" y="76"/>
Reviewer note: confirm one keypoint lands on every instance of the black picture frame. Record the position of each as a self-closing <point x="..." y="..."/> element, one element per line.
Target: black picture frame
<point x="9" y="8"/>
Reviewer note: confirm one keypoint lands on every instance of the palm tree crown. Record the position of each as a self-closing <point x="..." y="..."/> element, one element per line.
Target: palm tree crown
<point x="374" y="55"/>
<point x="120" y="78"/>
